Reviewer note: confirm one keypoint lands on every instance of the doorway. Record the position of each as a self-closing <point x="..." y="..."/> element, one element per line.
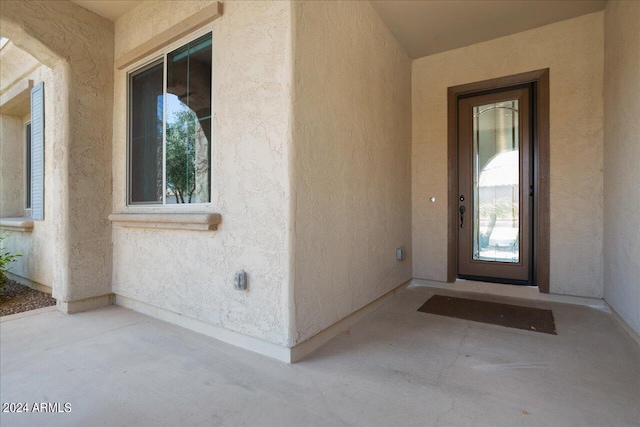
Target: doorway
<point x="499" y="180"/>
<point x="494" y="182"/>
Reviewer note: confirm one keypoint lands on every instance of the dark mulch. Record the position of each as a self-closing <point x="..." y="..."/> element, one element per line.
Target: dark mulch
<point x="16" y="298"/>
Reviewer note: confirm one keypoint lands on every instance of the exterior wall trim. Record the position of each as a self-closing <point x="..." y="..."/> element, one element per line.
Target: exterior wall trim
<point x="176" y="32"/>
<point x="15" y="101"/>
<point x="87" y="304"/>
<point x="303" y="349"/>
<point x="218" y="332"/>
<point x="516" y="292"/>
<point x="624" y="325"/>
<point x="175" y="221"/>
<point x="279" y="352"/>
<point x="30" y="283"/>
<point x="16" y="224"/>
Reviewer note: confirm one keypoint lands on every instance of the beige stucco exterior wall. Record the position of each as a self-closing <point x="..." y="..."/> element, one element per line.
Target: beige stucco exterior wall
<point x="189" y="272"/>
<point x="11" y="171"/>
<point x="622" y="160"/>
<point x="319" y="170"/>
<point x="37" y="246"/>
<point x="17" y="67"/>
<point x="573" y="50"/>
<point x="352" y="162"/>
<point x="77" y="46"/>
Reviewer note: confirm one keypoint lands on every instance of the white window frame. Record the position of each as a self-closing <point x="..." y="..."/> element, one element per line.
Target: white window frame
<point x="161" y="54"/>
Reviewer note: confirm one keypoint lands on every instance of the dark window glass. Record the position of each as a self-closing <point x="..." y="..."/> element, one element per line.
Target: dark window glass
<point x="145" y="138"/>
<point x="189" y="122"/>
<point x="28" y="166"/>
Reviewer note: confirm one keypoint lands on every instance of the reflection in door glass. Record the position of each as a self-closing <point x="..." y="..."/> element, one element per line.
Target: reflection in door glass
<point x="496" y="182"/>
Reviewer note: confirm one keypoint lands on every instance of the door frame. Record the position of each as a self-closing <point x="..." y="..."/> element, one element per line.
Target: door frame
<point x="541" y="169"/>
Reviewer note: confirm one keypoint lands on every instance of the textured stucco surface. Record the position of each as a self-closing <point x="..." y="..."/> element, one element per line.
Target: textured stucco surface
<point x="315" y="171"/>
<point x="622" y="160"/>
<point x="37" y="247"/>
<point x="16" y="64"/>
<point x="16" y="68"/>
<point x="573" y="50"/>
<point x="191" y="273"/>
<point x="352" y="162"/>
<point x="11" y="168"/>
<point x="77" y="46"/>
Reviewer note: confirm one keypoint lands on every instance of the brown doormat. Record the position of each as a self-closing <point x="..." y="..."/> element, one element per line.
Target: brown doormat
<point x="511" y="316"/>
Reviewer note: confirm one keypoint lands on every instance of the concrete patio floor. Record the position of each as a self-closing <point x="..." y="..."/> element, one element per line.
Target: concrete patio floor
<point x="396" y="367"/>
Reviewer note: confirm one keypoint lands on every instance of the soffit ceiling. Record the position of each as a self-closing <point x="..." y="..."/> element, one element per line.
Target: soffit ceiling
<point x="111" y="10"/>
<point x="427" y="27"/>
<point x="431" y="26"/>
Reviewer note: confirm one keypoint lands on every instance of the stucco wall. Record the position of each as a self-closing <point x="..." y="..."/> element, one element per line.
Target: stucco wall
<point x="191" y="273"/>
<point x="352" y="162"/>
<point x="622" y="160"/>
<point x="37" y="247"/>
<point x="573" y="50"/>
<point x="77" y="46"/>
<point x="16" y="65"/>
<point x="11" y="171"/>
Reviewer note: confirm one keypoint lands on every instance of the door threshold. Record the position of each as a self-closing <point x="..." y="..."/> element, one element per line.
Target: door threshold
<point x="513" y="291"/>
<point x="497" y="281"/>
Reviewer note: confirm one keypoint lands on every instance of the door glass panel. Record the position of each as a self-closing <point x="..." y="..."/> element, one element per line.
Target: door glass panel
<point x="496" y="182"/>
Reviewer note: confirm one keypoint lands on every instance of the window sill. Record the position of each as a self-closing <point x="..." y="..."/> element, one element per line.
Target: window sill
<point x="175" y="221"/>
<point x="16" y="224"/>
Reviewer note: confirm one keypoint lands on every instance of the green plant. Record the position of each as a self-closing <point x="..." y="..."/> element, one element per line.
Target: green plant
<point x="181" y="155"/>
<point x="6" y="258"/>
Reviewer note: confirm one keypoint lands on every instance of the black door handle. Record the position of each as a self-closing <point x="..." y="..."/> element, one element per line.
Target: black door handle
<point x="462" y="211"/>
